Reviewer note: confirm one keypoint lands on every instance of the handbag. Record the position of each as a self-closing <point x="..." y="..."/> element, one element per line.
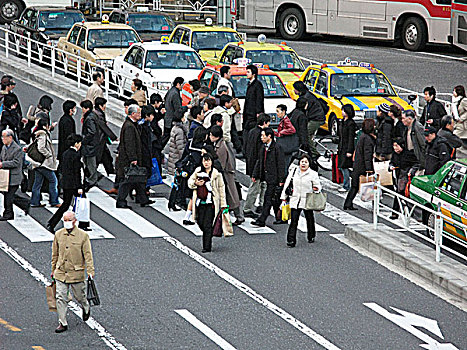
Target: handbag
<point x="385" y="176"/>
<point x="156" y="178"/>
<point x="286" y="212"/>
<point x="227" y="228"/>
<point x="4" y="179"/>
<point x="50" y="292"/>
<point x="289" y="189"/>
<point x="82" y="209"/>
<point x="217" y="228"/>
<point x="135" y="174"/>
<point x="289" y="143"/>
<point x="316" y="201"/>
<point x="34" y="154"/>
<point x="91" y="293"/>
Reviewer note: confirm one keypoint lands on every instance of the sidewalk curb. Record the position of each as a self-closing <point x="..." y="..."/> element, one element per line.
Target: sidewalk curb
<point x="413" y="256"/>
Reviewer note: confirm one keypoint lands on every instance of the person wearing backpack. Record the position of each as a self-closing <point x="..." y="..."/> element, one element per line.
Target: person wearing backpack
<point x="437" y="151"/>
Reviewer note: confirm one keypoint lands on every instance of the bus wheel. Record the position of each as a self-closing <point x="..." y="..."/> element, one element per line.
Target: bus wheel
<point x="414" y="34"/>
<point x="292" y="24"/>
<point x="10" y="10"/>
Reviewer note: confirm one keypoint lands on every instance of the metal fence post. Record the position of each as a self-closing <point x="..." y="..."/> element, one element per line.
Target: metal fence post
<point x="7" y="43"/>
<point x="52" y="60"/>
<point x="376" y="201"/>
<point x="106" y="83"/>
<point x="29" y="50"/>
<point x="78" y="71"/>
<point x="438" y="233"/>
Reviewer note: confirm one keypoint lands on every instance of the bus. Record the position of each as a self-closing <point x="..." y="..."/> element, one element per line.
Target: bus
<point x="12" y="9"/>
<point x="411" y="23"/>
<point x="459" y="23"/>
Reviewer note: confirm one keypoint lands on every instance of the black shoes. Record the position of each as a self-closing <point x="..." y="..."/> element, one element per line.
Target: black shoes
<point x="350" y="208"/>
<point x="86" y="315"/>
<point x="174" y="208"/>
<point x="37" y="206"/>
<point x="394" y="216"/>
<point x="259" y="210"/>
<point x="147" y="203"/>
<point x="123" y="206"/>
<point x="50" y="228"/>
<point x="279" y="222"/>
<point x="258" y="223"/>
<point x="250" y="214"/>
<point x="290" y="245"/>
<point x="61" y="328"/>
<point x="205" y="250"/>
<point x="311" y="240"/>
<point x="5" y="218"/>
<point x="188" y="222"/>
<point x="238" y="222"/>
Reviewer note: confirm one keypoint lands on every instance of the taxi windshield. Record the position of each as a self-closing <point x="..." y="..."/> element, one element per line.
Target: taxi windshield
<point x="111" y="38"/>
<point x="277" y="60"/>
<point x="59" y="20"/>
<point x="272" y="86"/>
<point x="150" y="23"/>
<point x="173" y="60"/>
<point x="361" y="84"/>
<point x="213" y="40"/>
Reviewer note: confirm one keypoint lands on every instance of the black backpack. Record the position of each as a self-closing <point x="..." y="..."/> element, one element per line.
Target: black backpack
<point x="323" y="104"/>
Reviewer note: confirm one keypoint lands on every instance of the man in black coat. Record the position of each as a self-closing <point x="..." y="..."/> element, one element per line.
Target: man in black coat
<point x="254" y="102"/>
<point x="446" y="132"/>
<point x="103" y="153"/>
<point x="173" y="106"/>
<point x="10" y="118"/>
<point x="71" y="182"/>
<point x="270" y="168"/>
<point x="437" y="151"/>
<point x="91" y="140"/>
<point x="66" y="127"/>
<point x="384" y="133"/>
<point x="254" y="145"/>
<point x="433" y="110"/>
<point x="147" y="114"/>
<point x="130" y="153"/>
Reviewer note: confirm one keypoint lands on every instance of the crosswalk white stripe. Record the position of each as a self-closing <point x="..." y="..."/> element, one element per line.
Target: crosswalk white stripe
<point x="127" y="217"/>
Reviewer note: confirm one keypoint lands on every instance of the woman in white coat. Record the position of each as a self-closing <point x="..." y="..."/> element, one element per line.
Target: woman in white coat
<point x="304" y="180"/>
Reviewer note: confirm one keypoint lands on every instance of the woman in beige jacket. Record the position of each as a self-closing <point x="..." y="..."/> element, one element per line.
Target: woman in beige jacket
<point x="459" y="112"/>
<point x="139" y="95"/>
<point x="208" y="198"/>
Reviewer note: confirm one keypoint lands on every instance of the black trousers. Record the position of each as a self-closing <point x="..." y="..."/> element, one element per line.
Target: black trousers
<point x="10" y="198"/>
<point x="310" y="225"/>
<point x="124" y="189"/>
<point x="205" y="221"/>
<point x="269" y="202"/>
<point x="354" y="187"/>
<point x="107" y="161"/>
<point x="67" y="200"/>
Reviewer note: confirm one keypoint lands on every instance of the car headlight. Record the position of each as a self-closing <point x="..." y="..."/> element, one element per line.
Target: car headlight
<point x="162" y="85"/>
<point x="105" y="63"/>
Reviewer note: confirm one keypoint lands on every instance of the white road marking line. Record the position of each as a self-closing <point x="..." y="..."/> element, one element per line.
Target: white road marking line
<point x="105" y="336"/>
<point x="436" y="55"/>
<point x="127" y="217"/>
<point x="253" y="295"/>
<point x="208" y="332"/>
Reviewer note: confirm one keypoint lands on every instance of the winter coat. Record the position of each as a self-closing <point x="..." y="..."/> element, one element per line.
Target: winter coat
<point x="461" y="124"/>
<point x="347" y="130"/>
<point x="303" y="183"/>
<point x="71" y="255"/>
<point x="194" y="125"/>
<point x="178" y="140"/>
<point x="207" y="118"/>
<point x="130" y="148"/>
<point x="285" y="128"/>
<point x="70" y="170"/>
<point x="384" y="132"/>
<point x="314" y="110"/>
<point x="66" y="127"/>
<point x="433" y="110"/>
<point x="94" y="92"/>
<point x="437" y="154"/>
<point x="403" y="162"/>
<point x="105" y="134"/>
<point x="398" y="130"/>
<point x="173" y="106"/>
<point x="452" y="140"/>
<point x="140" y="97"/>
<point x="254" y="104"/>
<point x="270" y="166"/>
<point x="10" y="119"/>
<point x="12" y="160"/>
<point x="45" y="147"/>
<point x="146" y="144"/>
<point x="226" y="82"/>
<point x="418" y="141"/>
<point x="299" y="122"/>
<point x="91" y="135"/>
<point x="228" y="165"/>
<point x="218" y="190"/>
<point x="227" y="118"/>
<point x="253" y="147"/>
<point x="363" y="161"/>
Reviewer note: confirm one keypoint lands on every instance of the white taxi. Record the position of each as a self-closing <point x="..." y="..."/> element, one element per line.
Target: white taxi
<point x="156" y="64"/>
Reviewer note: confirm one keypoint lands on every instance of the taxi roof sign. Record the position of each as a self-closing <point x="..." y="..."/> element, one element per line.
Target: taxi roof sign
<point x="164" y="39"/>
<point x="242" y="62"/>
<point x="261" y="38"/>
<point x="105" y="19"/>
<point x="208" y="21"/>
<point x="348" y="62"/>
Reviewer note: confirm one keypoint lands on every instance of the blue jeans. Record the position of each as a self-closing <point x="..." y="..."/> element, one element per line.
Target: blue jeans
<point x="39" y="175"/>
<point x="346" y="175"/>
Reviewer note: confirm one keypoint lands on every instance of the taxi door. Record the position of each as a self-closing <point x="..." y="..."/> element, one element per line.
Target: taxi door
<point x="71" y="47"/>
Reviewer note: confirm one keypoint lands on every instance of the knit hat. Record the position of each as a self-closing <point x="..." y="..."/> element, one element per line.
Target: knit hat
<point x="384" y="107"/>
<point x="430" y="130"/>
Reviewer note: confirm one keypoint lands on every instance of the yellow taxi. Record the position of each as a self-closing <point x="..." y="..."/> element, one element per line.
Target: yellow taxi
<point x="279" y="58"/>
<point x="97" y="42"/>
<point x="349" y="82"/>
<point x="208" y="40"/>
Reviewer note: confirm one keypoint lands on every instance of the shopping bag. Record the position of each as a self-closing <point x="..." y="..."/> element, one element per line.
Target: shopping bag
<point x="4" y="179"/>
<point x="366" y="179"/>
<point x="217" y="228"/>
<point x="336" y="174"/>
<point x="91" y="293"/>
<point x="227" y="228"/>
<point x="285" y="212"/>
<point x="156" y="178"/>
<point x="82" y="209"/>
<point x="367" y="192"/>
<point x="50" y="292"/>
<point x="316" y="201"/>
<point x="385" y="176"/>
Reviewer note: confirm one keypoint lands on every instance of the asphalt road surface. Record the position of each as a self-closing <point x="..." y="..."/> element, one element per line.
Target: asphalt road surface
<point x="251" y="292"/>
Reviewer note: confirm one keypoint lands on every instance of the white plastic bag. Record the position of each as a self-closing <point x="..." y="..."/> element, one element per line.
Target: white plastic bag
<point x="82" y="209"/>
<point x="367" y="192"/>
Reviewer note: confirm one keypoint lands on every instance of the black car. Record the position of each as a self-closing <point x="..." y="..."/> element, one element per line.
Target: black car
<point x="42" y="24"/>
<point x="150" y="25"/>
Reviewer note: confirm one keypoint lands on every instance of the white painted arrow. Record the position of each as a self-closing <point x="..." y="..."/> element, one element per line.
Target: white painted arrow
<point x="409" y="321"/>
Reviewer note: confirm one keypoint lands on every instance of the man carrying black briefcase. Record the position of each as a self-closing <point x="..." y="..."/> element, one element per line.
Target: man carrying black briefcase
<point x="129" y="161"/>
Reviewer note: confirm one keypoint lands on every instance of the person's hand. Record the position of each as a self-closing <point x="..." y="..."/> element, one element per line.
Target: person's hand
<point x="429" y="121"/>
<point x="163" y="110"/>
<point x="190" y="106"/>
<point x="370" y="172"/>
<point x="135" y="162"/>
<point x="253" y="179"/>
<point x="24" y="121"/>
<point x="281" y="184"/>
<point x="54" y="124"/>
<point x="348" y="155"/>
<point x="80" y="191"/>
<point x="25" y="149"/>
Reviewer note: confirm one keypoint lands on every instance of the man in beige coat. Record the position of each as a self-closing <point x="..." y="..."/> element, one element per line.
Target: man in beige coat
<point x="71" y="255"/>
<point x="95" y="90"/>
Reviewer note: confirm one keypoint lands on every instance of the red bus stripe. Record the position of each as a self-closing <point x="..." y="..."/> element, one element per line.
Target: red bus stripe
<point x="437" y="11"/>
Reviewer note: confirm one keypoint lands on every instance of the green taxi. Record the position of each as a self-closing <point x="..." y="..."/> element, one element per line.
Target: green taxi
<point x="448" y="187"/>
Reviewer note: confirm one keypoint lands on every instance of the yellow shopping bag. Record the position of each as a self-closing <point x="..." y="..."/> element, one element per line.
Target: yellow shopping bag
<point x="286" y="212"/>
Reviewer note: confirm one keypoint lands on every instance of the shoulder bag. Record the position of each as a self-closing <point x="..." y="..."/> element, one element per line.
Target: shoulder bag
<point x="33" y="152"/>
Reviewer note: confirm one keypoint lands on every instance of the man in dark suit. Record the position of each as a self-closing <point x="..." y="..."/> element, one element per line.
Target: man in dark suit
<point x="270" y="168"/>
<point x="254" y="102"/>
<point x="66" y="127"/>
<point x="130" y="153"/>
<point x="71" y="181"/>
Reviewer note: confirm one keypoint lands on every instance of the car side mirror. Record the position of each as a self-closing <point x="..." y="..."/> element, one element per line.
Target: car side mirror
<point x="412" y="98"/>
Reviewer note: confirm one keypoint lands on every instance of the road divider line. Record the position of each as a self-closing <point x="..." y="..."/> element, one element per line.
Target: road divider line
<point x="208" y="332"/>
<point x="9" y="326"/>
<point x="253" y="295"/>
<point x="105" y="336"/>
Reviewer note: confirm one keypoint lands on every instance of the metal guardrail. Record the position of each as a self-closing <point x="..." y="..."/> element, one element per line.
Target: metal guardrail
<point x="407" y="209"/>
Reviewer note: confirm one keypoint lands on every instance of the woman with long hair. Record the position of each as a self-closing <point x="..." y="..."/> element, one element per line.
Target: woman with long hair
<point x="346" y="147"/>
